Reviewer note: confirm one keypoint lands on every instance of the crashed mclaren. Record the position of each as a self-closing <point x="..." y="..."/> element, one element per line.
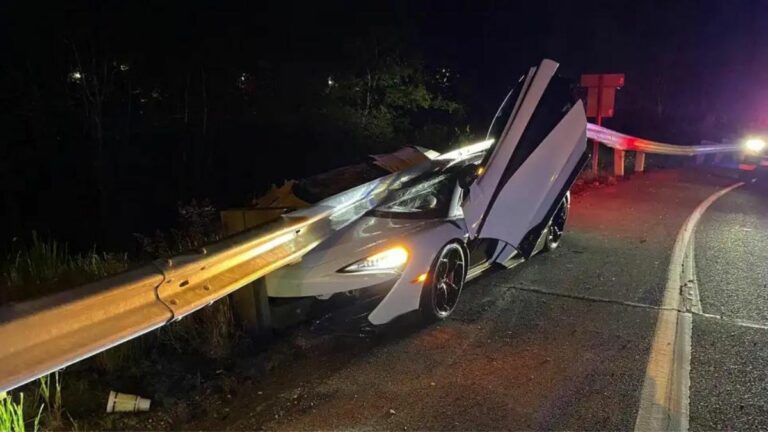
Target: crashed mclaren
<point x="448" y="219"/>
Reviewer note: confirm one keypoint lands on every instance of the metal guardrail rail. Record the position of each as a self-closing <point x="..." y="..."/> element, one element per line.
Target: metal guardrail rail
<point x="41" y="336"/>
<point x="620" y="141"/>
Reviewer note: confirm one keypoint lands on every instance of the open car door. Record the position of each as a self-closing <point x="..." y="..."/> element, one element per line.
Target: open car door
<point x="540" y="148"/>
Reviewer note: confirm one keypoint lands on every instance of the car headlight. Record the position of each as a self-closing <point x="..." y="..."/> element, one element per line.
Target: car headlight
<point x="754" y="145"/>
<point x="392" y="259"/>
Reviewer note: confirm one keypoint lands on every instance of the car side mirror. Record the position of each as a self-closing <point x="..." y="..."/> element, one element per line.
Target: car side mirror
<point x="468" y="174"/>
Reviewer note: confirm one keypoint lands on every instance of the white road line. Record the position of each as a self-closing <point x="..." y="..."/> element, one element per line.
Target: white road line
<point x="664" y="397"/>
<point x="593" y="299"/>
<point x="584" y="297"/>
<point x="737" y="322"/>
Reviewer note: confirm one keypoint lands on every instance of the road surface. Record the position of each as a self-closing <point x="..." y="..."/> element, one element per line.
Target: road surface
<point x="560" y="342"/>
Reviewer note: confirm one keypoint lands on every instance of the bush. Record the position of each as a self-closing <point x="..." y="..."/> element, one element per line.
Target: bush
<point x="197" y="224"/>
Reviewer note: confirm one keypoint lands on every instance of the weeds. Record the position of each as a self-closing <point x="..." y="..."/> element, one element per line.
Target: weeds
<point x="209" y="331"/>
<point x="12" y="414"/>
<point x="42" y="267"/>
<point x="52" y="401"/>
<point x="197" y="224"/>
<point x="39" y="267"/>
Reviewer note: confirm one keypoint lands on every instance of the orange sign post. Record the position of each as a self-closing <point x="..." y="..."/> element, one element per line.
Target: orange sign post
<point x="601" y="98"/>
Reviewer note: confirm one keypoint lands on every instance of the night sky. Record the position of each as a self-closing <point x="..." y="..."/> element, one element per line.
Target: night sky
<point x="694" y="54"/>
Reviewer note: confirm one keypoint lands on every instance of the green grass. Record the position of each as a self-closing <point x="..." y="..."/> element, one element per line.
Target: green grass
<point x="50" y="393"/>
<point x="48" y="396"/>
<point x="12" y="414"/>
<point x="39" y="267"/>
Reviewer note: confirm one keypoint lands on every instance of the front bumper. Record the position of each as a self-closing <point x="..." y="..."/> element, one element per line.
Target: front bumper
<point x="350" y="309"/>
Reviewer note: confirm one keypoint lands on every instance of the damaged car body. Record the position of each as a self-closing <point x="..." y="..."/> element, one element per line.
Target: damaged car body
<point x="497" y="202"/>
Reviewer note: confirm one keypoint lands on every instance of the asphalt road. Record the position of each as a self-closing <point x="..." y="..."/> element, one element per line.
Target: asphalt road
<point x="560" y="342"/>
<point x="729" y="365"/>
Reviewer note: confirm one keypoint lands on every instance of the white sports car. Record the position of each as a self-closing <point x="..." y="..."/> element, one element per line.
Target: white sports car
<point x="496" y="202"/>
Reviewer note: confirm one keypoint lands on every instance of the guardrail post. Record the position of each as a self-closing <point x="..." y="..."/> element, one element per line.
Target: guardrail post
<point x="595" y="156"/>
<point x="618" y="163"/>
<point x="250" y="303"/>
<point x="639" y="162"/>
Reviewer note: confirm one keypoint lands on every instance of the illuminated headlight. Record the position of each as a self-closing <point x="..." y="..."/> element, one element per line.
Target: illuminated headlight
<point x="754" y="145"/>
<point x="389" y="260"/>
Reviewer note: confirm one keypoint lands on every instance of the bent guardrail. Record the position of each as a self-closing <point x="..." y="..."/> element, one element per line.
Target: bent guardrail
<point x="621" y="142"/>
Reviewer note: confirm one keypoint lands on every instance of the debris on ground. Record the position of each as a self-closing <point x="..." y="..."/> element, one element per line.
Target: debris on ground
<point x="125" y="402"/>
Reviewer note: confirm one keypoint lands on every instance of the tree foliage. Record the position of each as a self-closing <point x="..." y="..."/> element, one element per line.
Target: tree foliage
<point x="115" y="111"/>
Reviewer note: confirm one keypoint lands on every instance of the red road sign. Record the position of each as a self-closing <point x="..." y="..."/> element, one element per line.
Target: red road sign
<point x="601" y="93"/>
<point x="608" y="80"/>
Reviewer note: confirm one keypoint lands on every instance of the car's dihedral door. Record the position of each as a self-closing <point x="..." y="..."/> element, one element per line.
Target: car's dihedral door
<point x="538" y="154"/>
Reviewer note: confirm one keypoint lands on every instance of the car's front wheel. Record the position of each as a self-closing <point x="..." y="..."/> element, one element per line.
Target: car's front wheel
<point x="444" y="283"/>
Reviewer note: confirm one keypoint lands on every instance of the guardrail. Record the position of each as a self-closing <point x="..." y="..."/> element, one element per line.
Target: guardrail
<point x="40" y="336"/>
<point x="621" y="143"/>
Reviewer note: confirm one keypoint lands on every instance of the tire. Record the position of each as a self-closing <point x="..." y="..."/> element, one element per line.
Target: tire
<point x="440" y="293"/>
<point x="556" y="227"/>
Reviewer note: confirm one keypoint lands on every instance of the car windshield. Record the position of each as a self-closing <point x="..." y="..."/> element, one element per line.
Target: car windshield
<point x="425" y="196"/>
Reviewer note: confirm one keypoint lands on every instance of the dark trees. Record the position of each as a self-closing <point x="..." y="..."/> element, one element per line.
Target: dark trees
<point x="112" y="112"/>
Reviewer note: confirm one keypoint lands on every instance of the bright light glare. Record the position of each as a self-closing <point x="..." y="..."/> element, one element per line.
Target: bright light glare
<point x="273" y="243"/>
<point x="754" y="145"/>
<point x="75" y="76"/>
<point x="421" y="278"/>
<point x="388" y="260"/>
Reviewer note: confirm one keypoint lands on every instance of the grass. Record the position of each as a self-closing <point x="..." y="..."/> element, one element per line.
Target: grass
<point x="39" y="267"/>
<point x="12" y="414"/>
<point x="48" y="396"/>
<point x="51" y="398"/>
<point x="210" y="331"/>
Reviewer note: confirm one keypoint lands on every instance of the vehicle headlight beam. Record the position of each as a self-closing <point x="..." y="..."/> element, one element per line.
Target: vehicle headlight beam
<point x="392" y="259"/>
<point x="754" y="145"/>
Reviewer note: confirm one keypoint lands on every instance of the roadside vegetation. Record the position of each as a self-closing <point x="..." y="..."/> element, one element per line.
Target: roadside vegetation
<point x="40" y="266"/>
<point x="37" y="266"/>
<point x="43" y="411"/>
